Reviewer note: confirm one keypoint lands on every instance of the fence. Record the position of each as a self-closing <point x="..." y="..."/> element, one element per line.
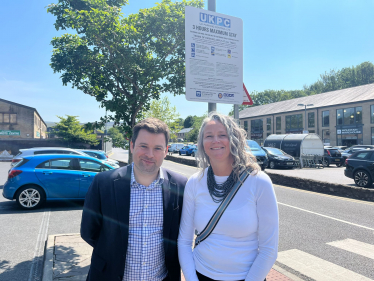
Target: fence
<point x="311" y="161"/>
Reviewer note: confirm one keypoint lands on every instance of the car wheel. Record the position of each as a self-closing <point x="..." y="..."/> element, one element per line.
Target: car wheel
<point x="272" y="165"/>
<point x="180" y="153"/>
<point x="263" y="167"/>
<point x="325" y="163"/>
<point x="30" y="197"/>
<point x="362" y="179"/>
<point x="193" y="154"/>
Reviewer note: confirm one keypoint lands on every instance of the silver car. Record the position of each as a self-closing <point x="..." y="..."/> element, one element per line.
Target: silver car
<point x="101" y="156"/>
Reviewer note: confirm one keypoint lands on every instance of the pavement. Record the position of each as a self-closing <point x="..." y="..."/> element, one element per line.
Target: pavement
<point x="68" y="257"/>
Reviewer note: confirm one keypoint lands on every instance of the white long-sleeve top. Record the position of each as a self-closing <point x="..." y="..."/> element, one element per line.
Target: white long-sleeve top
<point x="243" y="245"/>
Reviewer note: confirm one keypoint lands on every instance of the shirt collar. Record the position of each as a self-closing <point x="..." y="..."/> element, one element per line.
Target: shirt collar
<point x="159" y="180"/>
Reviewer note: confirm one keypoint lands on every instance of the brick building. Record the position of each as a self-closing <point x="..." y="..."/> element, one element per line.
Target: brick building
<point x="342" y="117"/>
<point x="20" y="122"/>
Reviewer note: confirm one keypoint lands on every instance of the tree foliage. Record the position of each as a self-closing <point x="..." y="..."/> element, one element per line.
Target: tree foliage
<point x="124" y="62"/>
<point x="196" y="124"/>
<point x="71" y="131"/>
<point x="118" y="139"/>
<point x="188" y="122"/>
<point x="163" y="110"/>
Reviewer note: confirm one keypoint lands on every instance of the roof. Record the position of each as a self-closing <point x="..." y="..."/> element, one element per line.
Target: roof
<point x="185" y="130"/>
<point x="349" y="95"/>
<point x="25" y="106"/>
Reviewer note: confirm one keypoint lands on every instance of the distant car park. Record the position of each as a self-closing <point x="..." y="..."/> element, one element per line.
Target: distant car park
<point x="38" y="178"/>
<point x="175" y="147"/>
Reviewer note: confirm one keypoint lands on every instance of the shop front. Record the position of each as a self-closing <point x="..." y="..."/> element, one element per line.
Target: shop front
<point x="349" y="136"/>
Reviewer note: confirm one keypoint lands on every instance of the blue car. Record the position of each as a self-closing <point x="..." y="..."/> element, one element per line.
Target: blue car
<point x="188" y="150"/>
<point x="259" y="153"/>
<point x="38" y="178"/>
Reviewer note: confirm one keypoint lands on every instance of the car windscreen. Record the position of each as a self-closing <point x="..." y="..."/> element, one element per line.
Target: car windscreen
<point x="275" y="151"/>
<point x="254" y="146"/>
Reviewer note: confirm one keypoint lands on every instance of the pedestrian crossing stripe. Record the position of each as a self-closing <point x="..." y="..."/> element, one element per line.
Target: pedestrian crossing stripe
<point x="317" y="268"/>
<point x="354" y="246"/>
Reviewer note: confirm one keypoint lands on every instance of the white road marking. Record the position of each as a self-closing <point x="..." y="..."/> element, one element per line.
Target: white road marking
<point x="332" y="218"/>
<point x="354" y="246"/>
<point x="36" y="265"/>
<point x="317" y="268"/>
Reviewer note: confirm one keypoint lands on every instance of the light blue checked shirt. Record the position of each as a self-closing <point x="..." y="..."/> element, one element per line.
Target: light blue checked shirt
<point x="145" y="258"/>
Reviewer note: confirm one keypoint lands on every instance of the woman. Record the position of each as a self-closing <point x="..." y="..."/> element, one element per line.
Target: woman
<point x="244" y="243"/>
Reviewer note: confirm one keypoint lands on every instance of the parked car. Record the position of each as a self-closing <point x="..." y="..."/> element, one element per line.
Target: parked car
<point x="101" y="155"/>
<point x="349" y="151"/>
<point x="360" y="168"/>
<point x="341" y="148"/>
<point x="259" y="153"/>
<point x="194" y="151"/>
<point x="188" y="149"/>
<point x="278" y="158"/>
<point x="174" y="147"/>
<point x="38" y="178"/>
<point x="332" y="156"/>
<point x="44" y="150"/>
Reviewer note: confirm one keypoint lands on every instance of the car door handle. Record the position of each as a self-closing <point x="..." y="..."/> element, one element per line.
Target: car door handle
<point x="86" y="175"/>
<point x="47" y="172"/>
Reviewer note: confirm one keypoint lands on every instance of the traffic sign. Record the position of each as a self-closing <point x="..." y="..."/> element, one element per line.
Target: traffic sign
<point x="246" y="97"/>
<point x="214" y="57"/>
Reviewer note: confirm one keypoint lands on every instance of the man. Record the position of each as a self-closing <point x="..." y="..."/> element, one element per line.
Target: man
<point x="131" y="215"/>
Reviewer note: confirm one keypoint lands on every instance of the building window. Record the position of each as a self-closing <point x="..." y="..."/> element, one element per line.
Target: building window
<point x="311" y="118"/>
<point x="326" y="137"/>
<point x="372" y="113"/>
<point x="278" y="123"/>
<point x="339" y="117"/>
<point x="372" y="135"/>
<point x="325" y="118"/>
<point x="13" y="118"/>
<point x="312" y="131"/>
<point x="294" y="122"/>
<point x="358" y="115"/>
<point x="256" y="125"/>
<point x="6" y="118"/>
<point x="268" y="124"/>
<point x="246" y="126"/>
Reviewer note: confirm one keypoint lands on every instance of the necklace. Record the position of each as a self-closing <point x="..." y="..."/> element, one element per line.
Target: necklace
<point x="218" y="192"/>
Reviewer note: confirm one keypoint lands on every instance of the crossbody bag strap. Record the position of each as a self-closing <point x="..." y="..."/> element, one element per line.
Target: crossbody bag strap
<point x="220" y="210"/>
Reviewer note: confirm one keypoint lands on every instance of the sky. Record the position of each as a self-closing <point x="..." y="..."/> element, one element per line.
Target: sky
<point x="287" y="44"/>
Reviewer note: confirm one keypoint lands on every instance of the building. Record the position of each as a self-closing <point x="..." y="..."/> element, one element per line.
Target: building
<point x="20" y="121"/>
<point x="181" y="135"/>
<point x="342" y="117"/>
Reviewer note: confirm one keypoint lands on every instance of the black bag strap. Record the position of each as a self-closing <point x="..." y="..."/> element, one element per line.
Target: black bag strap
<point x="221" y="209"/>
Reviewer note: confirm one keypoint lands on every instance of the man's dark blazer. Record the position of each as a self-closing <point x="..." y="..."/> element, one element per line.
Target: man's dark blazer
<point x="105" y="222"/>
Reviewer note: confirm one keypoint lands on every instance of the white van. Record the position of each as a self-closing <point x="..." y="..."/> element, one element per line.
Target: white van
<point x="174" y="147"/>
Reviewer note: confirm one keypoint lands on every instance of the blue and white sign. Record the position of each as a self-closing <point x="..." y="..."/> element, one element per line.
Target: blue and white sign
<point x="214" y="57"/>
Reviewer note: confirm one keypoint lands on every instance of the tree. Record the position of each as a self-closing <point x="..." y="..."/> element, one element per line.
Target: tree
<point x="163" y="110"/>
<point x="124" y="62"/>
<point x="118" y="139"/>
<point x="188" y="122"/>
<point x="196" y="124"/>
<point x="71" y="131"/>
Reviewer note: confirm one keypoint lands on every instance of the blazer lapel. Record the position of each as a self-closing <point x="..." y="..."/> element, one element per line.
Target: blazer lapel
<point x="168" y="209"/>
<point x="122" y="193"/>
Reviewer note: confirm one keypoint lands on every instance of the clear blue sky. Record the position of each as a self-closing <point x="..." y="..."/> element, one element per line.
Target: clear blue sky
<point x="287" y="44"/>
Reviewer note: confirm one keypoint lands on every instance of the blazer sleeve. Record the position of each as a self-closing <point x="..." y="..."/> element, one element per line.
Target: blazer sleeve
<point x="92" y="217"/>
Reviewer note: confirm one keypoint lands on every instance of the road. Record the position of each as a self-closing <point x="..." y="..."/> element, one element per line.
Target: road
<point x="321" y="237"/>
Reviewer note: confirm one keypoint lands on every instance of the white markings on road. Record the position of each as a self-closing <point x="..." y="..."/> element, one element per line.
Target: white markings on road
<point x="332" y="218"/>
<point x="354" y="246"/>
<point x="36" y="265"/>
<point x="317" y="268"/>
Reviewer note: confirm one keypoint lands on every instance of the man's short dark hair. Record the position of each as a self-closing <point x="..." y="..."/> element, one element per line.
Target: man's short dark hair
<point x="152" y="125"/>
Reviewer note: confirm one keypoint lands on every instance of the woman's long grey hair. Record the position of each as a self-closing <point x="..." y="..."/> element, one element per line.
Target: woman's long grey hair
<point x="240" y="151"/>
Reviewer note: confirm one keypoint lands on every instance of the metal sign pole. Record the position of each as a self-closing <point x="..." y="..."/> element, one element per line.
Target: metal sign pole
<point x="212" y="7"/>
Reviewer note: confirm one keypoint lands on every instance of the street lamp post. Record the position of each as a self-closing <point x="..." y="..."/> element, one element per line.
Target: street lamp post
<point x="305" y="105"/>
<point x="212" y="7"/>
